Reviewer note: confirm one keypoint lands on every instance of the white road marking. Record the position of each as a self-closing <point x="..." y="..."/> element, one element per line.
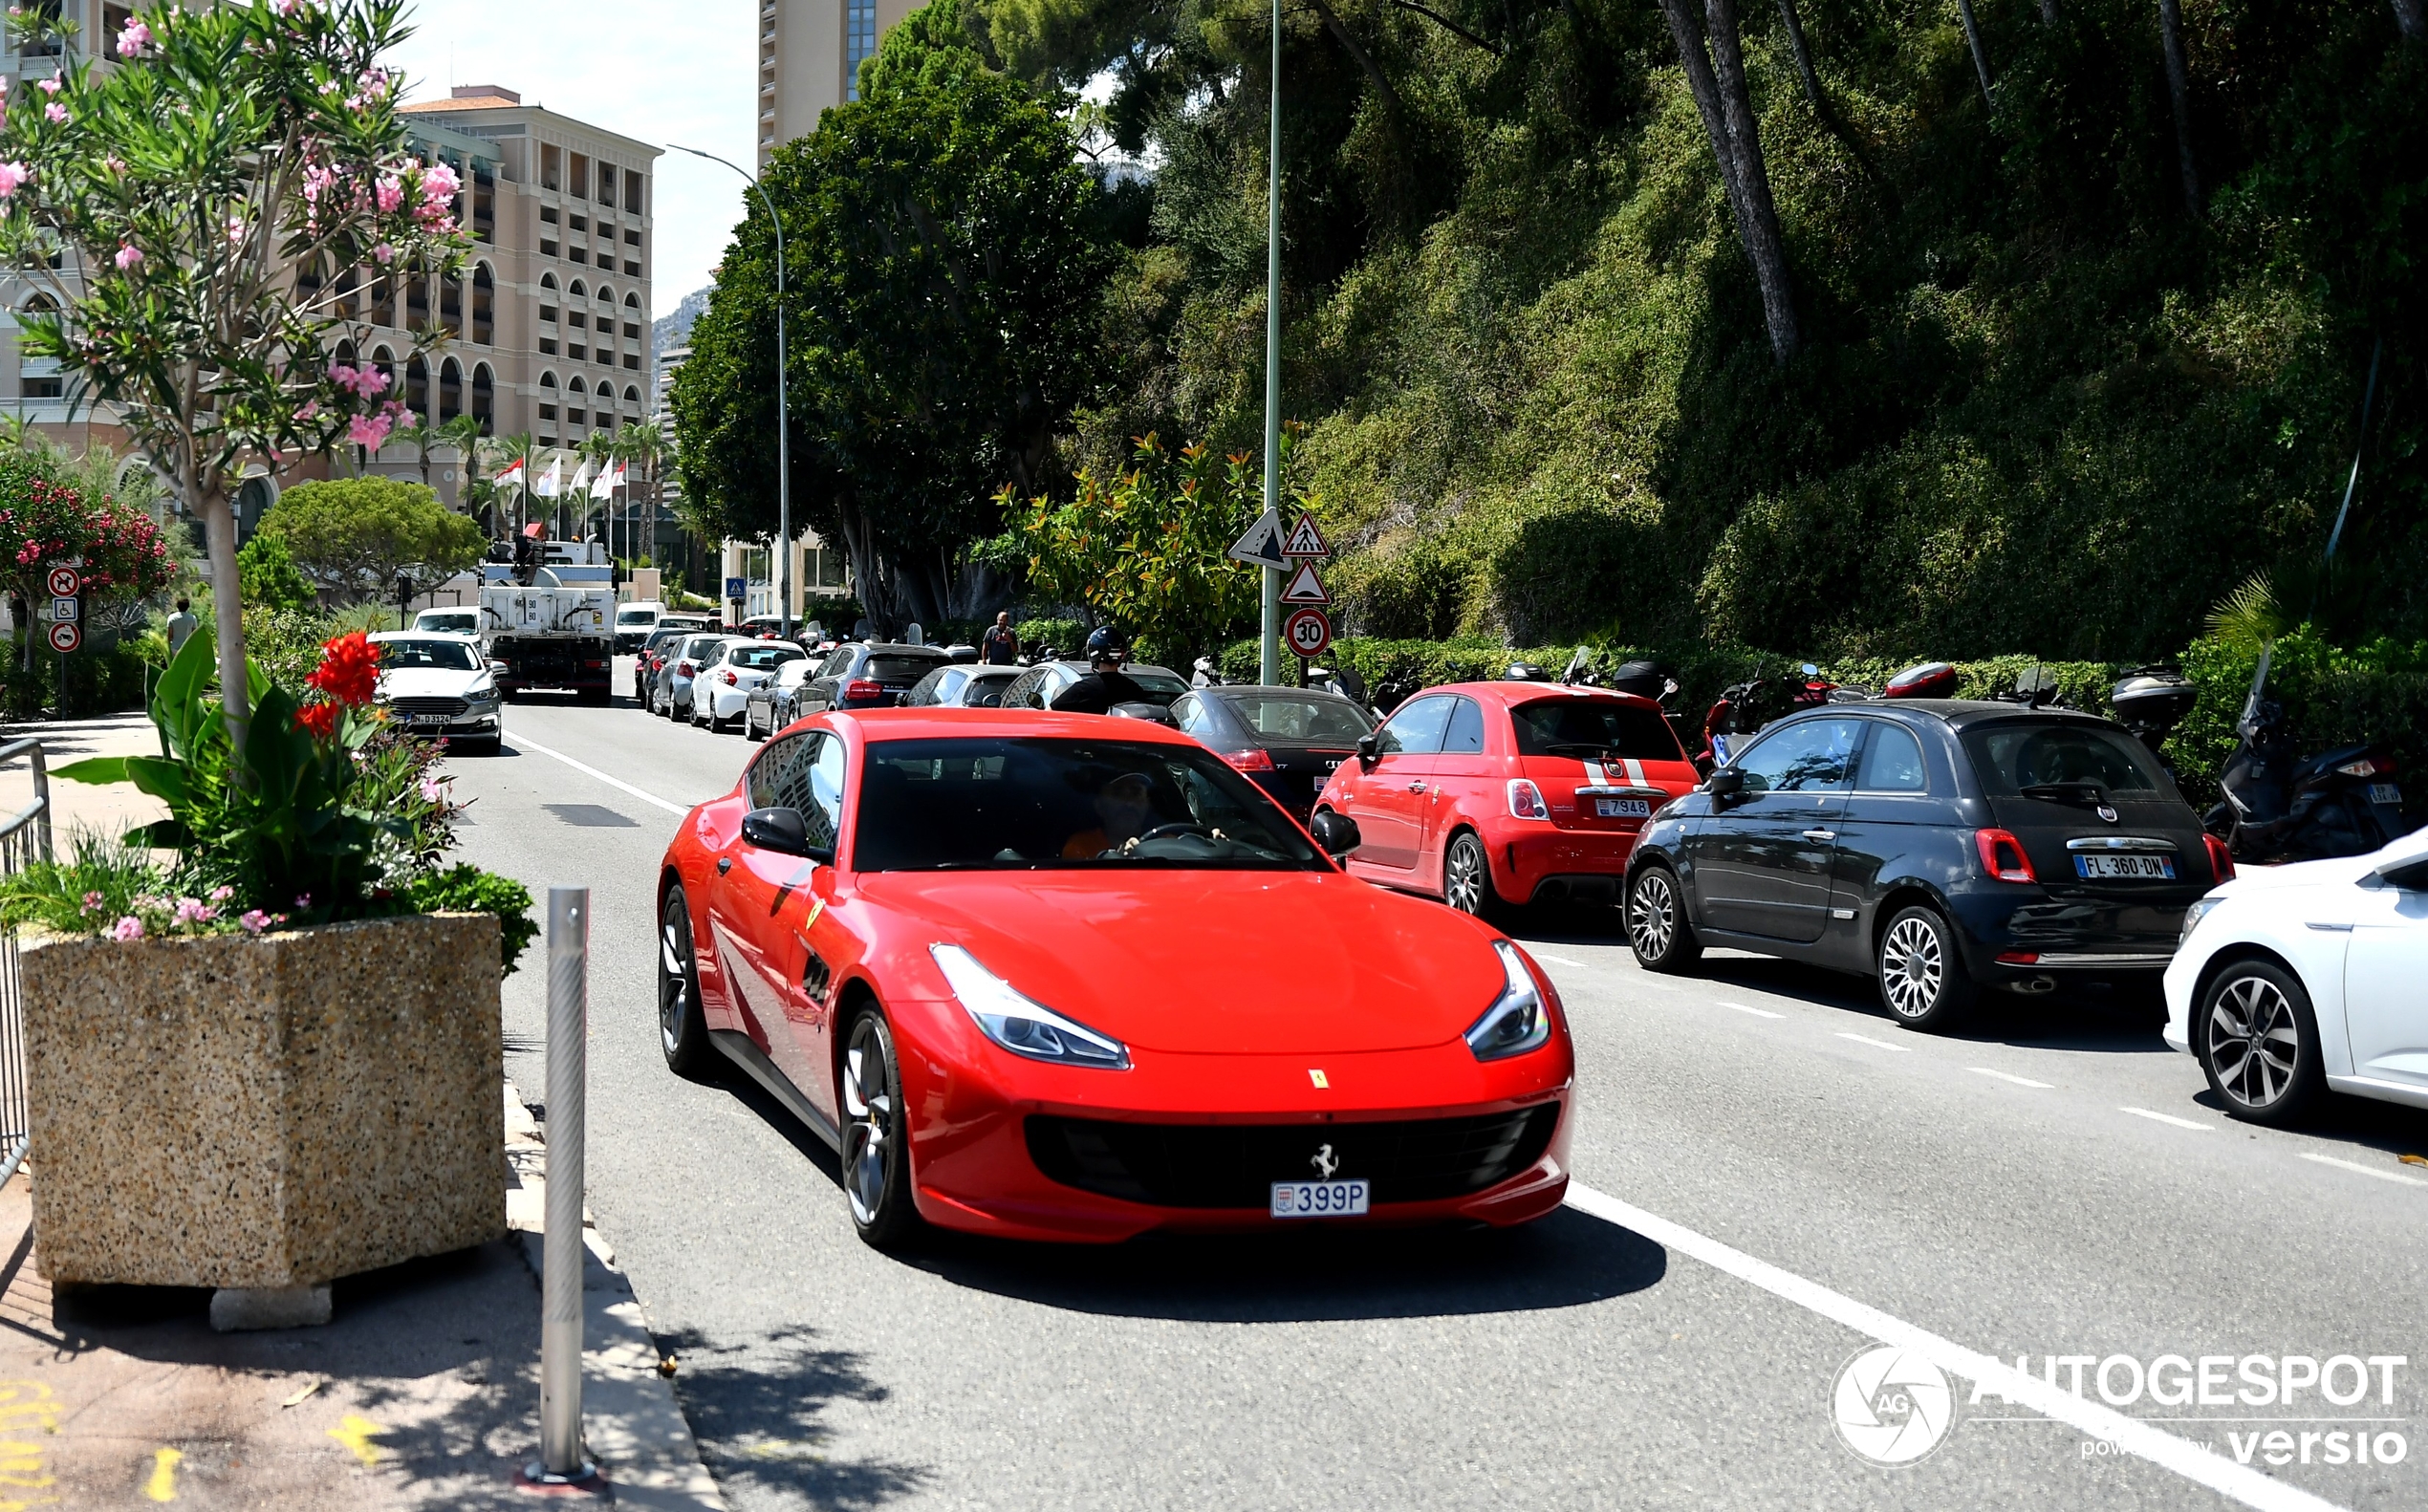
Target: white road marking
<point x="523" y="742"/>
<point x="1747" y="1007"/>
<point x="2167" y="1118"/>
<point x="2364" y="1169"/>
<point x="2193" y="1461"/>
<point x="2008" y="1076"/>
<point x="1545" y="954"/>
<point x="1865" y="1039"/>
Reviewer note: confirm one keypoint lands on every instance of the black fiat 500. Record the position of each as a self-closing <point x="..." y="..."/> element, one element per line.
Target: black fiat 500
<point x="1941" y="847"/>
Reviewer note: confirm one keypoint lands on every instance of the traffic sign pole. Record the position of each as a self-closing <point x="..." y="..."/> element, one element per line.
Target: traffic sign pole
<point x="1270" y="655"/>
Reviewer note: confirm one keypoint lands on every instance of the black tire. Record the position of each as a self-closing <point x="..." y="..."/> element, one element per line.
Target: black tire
<point x="875" y="1154"/>
<point x="2257" y="1038"/>
<point x="751" y="723"/>
<point x="682" y="1028"/>
<point x="1923" y="981"/>
<point x="1658" y="928"/>
<point x="1466" y="880"/>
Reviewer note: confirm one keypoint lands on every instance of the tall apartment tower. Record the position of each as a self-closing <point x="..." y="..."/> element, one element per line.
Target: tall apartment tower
<point x="810" y="54"/>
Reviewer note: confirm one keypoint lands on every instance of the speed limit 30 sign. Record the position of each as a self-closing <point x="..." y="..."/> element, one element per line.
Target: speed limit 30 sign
<point x="1308" y="632"/>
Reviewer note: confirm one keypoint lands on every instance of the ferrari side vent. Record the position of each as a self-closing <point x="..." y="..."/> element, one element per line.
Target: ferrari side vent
<point x="1235" y="1165"/>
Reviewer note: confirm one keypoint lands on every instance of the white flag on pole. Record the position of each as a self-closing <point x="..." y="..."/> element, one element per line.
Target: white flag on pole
<point x="604" y="486"/>
<point x="552" y="483"/>
<point x="513" y="474"/>
<point x="581" y="476"/>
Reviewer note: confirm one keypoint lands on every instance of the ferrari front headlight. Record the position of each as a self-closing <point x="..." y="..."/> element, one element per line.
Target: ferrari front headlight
<point x="1519" y="1019"/>
<point x="1022" y="1027"/>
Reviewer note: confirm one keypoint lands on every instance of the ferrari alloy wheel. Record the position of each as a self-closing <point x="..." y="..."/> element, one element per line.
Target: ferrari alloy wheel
<point x="683" y="1030"/>
<point x="875" y="1154"/>
<point x="1467" y="879"/>
<point x="2259" y="1043"/>
<point x="1924" y="983"/>
<point x="1657" y="927"/>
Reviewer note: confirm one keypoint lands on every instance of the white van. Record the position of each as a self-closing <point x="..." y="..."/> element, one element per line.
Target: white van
<point x="635" y="620"/>
<point x="459" y="621"/>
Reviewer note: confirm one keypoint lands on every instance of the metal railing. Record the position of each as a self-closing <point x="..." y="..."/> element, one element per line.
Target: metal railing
<point x="25" y="839"/>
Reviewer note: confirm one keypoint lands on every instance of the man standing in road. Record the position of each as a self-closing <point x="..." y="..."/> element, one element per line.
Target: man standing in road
<point x="1000" y="645"/>
<point x="181" y="624"/>
<point x="1105" y="684"/>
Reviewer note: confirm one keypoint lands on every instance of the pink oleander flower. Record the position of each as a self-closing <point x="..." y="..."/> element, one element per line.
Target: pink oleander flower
<point x="370" y="432"/>
<point x="132" y="41"/>
<point x="128" y="928"/>
<point x="235" y="233"/>
<point x="431" y="792"/>
<point x="385" y="252"/>
<point x="310" y="409"/>
<point x="13" y="178"/>
<point x="93" y="902"/>
<point x="253" y="921"/>
<point x="56" y="113"/>
<point x="128" y="258"/>
<point x="391" y="193"/>
<point x="303" y="899"/>
<point x="440" y="183"/>
<point x="190" y="911"/>
<point x="48" y="86"/>
<point x="115" y="163"/>
<point x="221" y="895"/>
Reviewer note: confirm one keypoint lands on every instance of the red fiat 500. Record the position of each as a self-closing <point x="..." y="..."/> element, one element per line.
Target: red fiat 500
<point x="1070" y="976"/>
<point x="1484" y="794"/>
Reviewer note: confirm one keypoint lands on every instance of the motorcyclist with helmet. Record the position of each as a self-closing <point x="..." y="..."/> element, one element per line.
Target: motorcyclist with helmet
<point x="1105" y="684"/>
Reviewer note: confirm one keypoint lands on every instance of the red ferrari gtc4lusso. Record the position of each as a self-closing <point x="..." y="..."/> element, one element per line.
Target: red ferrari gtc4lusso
<point x="1074" y="978"/>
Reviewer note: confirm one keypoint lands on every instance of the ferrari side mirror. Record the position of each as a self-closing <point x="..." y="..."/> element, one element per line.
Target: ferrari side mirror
<point x="785" y="832"/>
<point x="1337" y="832"/>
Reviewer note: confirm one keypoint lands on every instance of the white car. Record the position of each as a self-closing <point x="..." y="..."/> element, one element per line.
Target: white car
<point x="635" y="620"/>
<point x="2296" y="980"/>
<point x="456" y="621"/>
<point x="441" y="686"/>
<point x="721" y="694"/>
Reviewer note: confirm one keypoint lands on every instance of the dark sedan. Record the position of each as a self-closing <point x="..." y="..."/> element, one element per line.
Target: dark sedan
<point x="864" y="674"/>
<point x="961" y="686"/>
<point x="1941" y="847"/>
<point x="1287" y="741"/>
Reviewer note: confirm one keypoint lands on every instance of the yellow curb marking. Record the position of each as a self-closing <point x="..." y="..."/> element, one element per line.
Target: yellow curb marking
<point x="25" y="1407"/>
<point x="355" y="1432"/>
<point x="163" y="1486"/>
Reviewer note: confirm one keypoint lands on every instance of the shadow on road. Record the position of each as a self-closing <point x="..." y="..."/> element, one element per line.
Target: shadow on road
<point x="1329" y="1274"/>
<point x="754" y="1410"/>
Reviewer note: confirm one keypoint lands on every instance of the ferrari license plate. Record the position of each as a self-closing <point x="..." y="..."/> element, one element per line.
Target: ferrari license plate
<point x="1319" y="1199"/>
<point x="1623" y="808"/>
<point x="2125" y="867"/>
<point x="2385" y="792"/>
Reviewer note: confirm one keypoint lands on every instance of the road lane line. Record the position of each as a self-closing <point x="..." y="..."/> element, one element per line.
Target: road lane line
<point x="523" y="744"/>
<point x="2167" y="1118"/>
<point x="2364" y="1169"/>
<point x="2009" y="1076"/>
<point x="1545" y="954"/>
<point x="1865" y="1039"/>
<point x="1745" y="1007"/>
<point x="2193" y="1461"/>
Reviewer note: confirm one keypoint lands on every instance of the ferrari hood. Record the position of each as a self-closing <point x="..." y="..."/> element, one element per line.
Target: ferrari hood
<point x="1215" y="963"/>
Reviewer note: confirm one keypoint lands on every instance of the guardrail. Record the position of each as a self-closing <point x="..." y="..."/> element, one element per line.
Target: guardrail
<point x="25" y="837"/>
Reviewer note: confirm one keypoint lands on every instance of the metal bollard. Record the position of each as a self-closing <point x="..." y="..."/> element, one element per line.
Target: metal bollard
<point x="562" y="1461"/>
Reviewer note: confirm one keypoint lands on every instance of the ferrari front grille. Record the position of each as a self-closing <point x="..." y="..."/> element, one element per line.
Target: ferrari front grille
<point x="1235" y="1165"/>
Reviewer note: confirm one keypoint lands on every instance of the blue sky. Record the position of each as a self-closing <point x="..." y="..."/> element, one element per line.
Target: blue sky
<point x="648" y="68"/>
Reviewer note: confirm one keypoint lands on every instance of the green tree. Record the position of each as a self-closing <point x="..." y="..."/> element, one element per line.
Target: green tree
<point x="214" y="184"/>
<point x="945" y="252"/>
<point x="270" y="576"/>
<point x="358" y="535"/>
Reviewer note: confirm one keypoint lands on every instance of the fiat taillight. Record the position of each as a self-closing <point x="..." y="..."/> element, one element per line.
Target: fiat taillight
<point x="1526" y="800"/>
<point x="2002" y="856"/>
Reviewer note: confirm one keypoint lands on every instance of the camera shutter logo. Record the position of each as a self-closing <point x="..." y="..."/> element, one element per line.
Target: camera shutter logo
<point x="1892" y="1406"/>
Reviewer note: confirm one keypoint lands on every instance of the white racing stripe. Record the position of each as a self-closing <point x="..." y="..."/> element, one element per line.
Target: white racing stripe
<point x="2009" y="1076"/>
<point x="2134" y="1437"/>
<point x="523" y="744"/>
<point x="2167" y="1118"/>
<point x="2364" y="1169"/>
<point x="1747" y="1007"/>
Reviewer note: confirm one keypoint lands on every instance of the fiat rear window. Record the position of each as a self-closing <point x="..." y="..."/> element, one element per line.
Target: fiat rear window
<point x="1001" y="805"/>
<point x="1596" y="727"/>
<point x="2012" y="755"/>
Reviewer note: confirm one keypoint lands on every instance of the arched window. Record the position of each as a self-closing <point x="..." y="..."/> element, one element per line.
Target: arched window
<point x="416" y="390"/>
<point x="632" y="395"/>
<point x="574" y="390"/>
<point x="41" y="305"/>
<point x="451" y="305"/>
<point x="632" y="301"/>
<point x="385" y="361"/>
<point x="484" y="398"/>
<point x="547" y="398"/>
<point x="548" y="281"/>
<point x="383" y="301"/>
<point x="38" y="377"/>
<point x="450" y="391"/>
<point x="607" y="297"/>
<point x="484" y="305"/>
<point x="577" y="292"/>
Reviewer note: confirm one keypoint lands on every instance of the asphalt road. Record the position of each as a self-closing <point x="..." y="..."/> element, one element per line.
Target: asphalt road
<point x="1773" y="1179"/>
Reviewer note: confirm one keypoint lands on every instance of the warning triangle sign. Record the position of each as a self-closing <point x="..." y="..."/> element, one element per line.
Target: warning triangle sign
<point x="1262" y="545"/>
<point x="1305" y="587"/>
<point x="1305" y="540"/>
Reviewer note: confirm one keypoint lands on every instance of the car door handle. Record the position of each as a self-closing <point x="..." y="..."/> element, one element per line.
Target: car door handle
<point x="724" y="864"/>
<point x="2341" y="929"/>
<point x="1415" y="787"/>
<point x="1820" y="834"/>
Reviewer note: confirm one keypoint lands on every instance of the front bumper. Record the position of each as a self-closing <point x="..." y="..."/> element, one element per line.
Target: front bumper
<point x="970" y="1136"/>
<point x="478" y="725"/>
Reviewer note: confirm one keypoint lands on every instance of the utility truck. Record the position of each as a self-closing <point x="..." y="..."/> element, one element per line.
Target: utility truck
<point x="548" y="620"/>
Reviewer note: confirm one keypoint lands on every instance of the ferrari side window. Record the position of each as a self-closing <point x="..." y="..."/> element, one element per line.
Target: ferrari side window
<point x="824" y="812"/>
<point x="766" y="774"/>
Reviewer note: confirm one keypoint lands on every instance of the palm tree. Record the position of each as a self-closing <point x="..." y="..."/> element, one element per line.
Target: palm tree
<point x="421" y="436"/>
<point x="465" y="433"/>
<point x="505" y="451"/>
<point x="640" y="445"/>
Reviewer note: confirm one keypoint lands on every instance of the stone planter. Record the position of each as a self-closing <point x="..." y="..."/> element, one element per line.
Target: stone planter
<point x="265" y="1115"/>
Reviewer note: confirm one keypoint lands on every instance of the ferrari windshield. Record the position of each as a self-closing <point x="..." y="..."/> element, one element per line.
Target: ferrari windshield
<point x="1007" y="803"/>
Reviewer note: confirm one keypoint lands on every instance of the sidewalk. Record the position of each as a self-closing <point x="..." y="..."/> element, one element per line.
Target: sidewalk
<point x="423" y="1394"/>
<point x="74" y="806"/>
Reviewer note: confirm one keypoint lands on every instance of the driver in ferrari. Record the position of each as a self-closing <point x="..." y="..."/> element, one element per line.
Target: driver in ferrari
<point x="1125" y="810"/>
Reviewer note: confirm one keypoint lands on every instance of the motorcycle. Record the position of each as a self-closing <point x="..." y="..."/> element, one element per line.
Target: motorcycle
<point x="2282" y="807"/>
<point x="1746" y="707"/>
<point x="2151" y="702"/>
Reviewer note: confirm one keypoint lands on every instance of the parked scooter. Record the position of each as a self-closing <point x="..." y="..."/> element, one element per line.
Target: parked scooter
<point x="1204" y="672"/>
<point x="1747" y="707"/>
<point x="2151" y="702"/>
<point x="2282" y="807"/>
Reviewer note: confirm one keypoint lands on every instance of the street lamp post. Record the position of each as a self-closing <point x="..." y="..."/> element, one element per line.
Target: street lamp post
<point x="1270" y="649"/>
<point x="783" y="421"/>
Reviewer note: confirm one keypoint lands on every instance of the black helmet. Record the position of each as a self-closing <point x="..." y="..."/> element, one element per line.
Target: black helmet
<point x="1103" y="643"/>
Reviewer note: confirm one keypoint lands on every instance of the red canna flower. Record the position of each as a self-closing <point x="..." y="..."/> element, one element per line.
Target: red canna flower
<point x="349" y="670"/>
<point x="321" y="719"/>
